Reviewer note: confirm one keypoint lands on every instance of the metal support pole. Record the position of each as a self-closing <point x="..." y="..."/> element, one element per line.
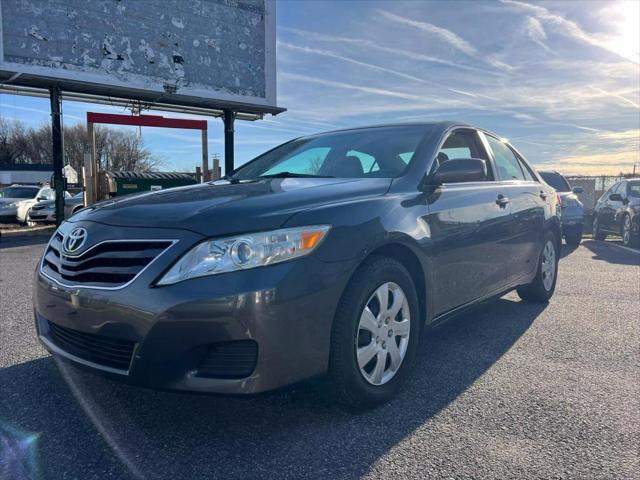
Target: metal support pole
<point x="205" y="156"/>
<point x="91" y="169"/>
<point x="229" y="117"/>
<point x="58" y="155"/>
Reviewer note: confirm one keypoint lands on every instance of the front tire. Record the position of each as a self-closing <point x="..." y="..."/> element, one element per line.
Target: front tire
<point x="598" y="234"/>
<point x="373" y="345"/>
<point x="544" y="284"/>
<point x="629" y="238"/>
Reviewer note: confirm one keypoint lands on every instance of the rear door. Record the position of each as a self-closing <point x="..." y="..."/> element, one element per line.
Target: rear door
<point x="469" y="228"/>
<point x="527" y="201"/>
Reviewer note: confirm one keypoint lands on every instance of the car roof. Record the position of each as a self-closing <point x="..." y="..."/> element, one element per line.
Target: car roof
<point x="443" y="125"/>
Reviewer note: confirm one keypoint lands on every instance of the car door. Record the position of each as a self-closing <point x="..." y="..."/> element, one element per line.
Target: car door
<point x="469" y="228"/>
<point x="527" y="200"/>
<point x="606" y="217"/>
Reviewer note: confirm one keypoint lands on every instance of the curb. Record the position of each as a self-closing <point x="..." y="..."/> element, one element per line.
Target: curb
<point x="27" y="232"/>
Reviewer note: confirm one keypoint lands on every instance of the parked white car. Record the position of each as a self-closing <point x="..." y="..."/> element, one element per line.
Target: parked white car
<point x="45" y="194"/>
<point x="11" y="196"/>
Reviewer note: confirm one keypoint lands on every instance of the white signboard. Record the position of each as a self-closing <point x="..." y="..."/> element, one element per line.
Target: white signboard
<point x="207" y="53"/>
<point x="70" y="174"/>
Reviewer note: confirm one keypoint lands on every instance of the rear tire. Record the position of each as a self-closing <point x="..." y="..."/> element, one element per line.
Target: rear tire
<point x="598" y="234"/>
<point x="544" y="284"/>
<point x="573" y="235"/>
<point x="361" y="372"/>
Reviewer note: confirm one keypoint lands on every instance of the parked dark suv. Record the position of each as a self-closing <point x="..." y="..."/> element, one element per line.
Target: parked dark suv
<point x="324" y="257"/>
<point x="618" y="212"/>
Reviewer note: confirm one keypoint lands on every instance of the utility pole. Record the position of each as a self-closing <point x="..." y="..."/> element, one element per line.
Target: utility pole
<point x="58" y="155"/>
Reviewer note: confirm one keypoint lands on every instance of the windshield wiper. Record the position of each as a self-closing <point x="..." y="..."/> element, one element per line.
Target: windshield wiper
<point x="294" y="175"/>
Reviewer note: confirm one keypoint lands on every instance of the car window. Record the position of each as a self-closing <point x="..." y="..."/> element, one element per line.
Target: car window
<point x="18" y="192"/>
<point x="506" y="162"/>
<point x="525" y="169"/>
<point x="556" y="181"/>
<point x="47" y="194"/>
<point x="307" y="162"/>
<point x="633" y="189"/>
<point x="462" y="144"/>
<point x="619" y="189"/>
<point x="605" y="196"/>
<point x="367" y="152"/>
<point x="367" y="161"/>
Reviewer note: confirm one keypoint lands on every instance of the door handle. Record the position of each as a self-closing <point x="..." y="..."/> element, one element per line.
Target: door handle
<point x="543" y="195"/>
<point x="502" y="200"/>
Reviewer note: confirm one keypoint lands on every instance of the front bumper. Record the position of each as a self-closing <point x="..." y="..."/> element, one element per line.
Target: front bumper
<point x="287" y="309"/>
<point x="8" y="214"/>
<point x="42" y="216"/>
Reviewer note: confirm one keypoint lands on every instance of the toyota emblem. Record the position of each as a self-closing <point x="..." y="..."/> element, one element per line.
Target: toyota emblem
<point x="75" y="240"/>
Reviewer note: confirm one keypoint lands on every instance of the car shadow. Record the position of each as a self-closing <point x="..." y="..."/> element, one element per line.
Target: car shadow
<point x="567" y="250"/>
<point x="608" y="252"/>
<point x="56" y="420"/>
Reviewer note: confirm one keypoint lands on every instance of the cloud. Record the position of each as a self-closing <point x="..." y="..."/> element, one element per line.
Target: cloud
<point x="571" y="29"/>
<point x="449" y="37"/>
<point x="371" y="45"/>
<point x="625" y="101"/>
<point x="330" y="54"/>
<point x="536" y="32"/>
<point x="446" y="35"/>
<point x="605" y="163"/>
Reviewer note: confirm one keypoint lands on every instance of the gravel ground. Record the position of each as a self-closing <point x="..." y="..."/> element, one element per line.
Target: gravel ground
<point x="507" y="390"/>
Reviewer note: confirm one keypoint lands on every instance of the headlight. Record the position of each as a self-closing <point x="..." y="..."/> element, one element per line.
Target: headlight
<point x="245" y="251"/>
<point x="11" y="205"/>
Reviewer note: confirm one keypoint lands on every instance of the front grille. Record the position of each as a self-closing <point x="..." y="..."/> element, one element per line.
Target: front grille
<point x="107" y="351"/>
<point x="235" y="359"/>
<point x="108" y="264"/>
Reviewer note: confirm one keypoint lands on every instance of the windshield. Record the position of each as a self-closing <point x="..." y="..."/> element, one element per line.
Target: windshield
<point x="557" y="181"/>
<point x="371" y="152"/>
<point x="18" y="192"/>
<point x="633" y="190"/>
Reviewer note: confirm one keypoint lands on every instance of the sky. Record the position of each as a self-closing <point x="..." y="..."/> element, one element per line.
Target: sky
<point x="559" y="80"/>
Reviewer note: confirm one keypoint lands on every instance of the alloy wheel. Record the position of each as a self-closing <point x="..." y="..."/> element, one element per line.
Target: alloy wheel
<point x="548" y="265"/>
<point x="383" y="334"/>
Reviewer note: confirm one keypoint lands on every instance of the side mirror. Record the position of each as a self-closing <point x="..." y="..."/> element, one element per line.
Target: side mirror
<point x="41" y="199"/>
<point x="577" y="190"/>
<point x="459" y="170"/>
<point x="615" y="197"/>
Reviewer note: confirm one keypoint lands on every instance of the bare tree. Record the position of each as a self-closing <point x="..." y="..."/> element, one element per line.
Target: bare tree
<point x="12" y="142"/>
<point x="115" y="149"/>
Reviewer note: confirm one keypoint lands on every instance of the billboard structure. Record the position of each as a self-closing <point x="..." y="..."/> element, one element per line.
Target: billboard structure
<point x="207" y="54"/>
<point x="208" y="57"/>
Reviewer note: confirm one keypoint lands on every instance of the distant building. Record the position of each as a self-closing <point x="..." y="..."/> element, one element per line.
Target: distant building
<point x="25" y="174"/>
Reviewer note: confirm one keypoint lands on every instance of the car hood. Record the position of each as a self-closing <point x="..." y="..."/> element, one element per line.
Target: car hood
<point x="220" y="208"/>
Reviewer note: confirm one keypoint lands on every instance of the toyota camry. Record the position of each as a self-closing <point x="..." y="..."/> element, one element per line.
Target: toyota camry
<point x="325" y="257"/>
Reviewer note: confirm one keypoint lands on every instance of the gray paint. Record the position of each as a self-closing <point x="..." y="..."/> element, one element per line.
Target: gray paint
<point x="208" y="48"/>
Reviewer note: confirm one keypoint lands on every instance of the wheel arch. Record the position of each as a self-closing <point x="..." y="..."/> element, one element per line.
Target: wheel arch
<point x="554" y="227"/>
<point x="411" y="261"/>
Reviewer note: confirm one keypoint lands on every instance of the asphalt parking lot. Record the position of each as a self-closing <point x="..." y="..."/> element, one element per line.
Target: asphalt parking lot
<point x="507" y="390"/>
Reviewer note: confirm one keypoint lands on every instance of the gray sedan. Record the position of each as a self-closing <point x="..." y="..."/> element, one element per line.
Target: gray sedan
<point x="572" y="208"/>
<point x="9" y="198"/>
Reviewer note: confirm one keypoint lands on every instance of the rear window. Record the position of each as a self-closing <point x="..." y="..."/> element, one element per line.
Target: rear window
<point x="556" y="180"/>
<point x="18" y="192"/>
